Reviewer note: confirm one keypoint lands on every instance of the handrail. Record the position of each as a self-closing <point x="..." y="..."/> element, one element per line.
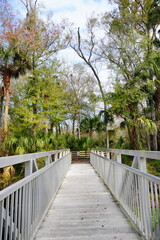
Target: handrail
<point x="137" y="192"/>
<point x="139" y="157"/>
<point x="138" y="153"/>
<point x="30" y="159"/>
<point x="12" y="160"/>
<point x="23" y="204"/>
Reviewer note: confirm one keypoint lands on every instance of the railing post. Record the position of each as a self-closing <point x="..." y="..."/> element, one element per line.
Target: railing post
<point x="135" y="162"/>
<point x="55" y="157"/>
<point x="118" y="157"/>
<point x="60" y="154"/>
<point x="145" y="207"/>
<point x="142" y="164"/>
<point x="108" y="155"/>
<point x="102" y="154"/>
<point x="48" y="160"/>
<point x="28" y="168"/>
<point x="35" y="167"/>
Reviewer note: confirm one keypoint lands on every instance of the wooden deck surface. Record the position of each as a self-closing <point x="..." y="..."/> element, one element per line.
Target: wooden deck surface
<point x="85" y="210"/>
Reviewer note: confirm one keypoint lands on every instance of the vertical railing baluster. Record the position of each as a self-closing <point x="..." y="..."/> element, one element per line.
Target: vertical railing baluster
<point x="11" y="216"/>
<point x="33" y="204"/>
<point x="15" y="215"/>
<point x="26" y="209"/>
<point x="19" y="228"/>
<point x="1" y="217"/>
<point x="6" y="219"/>
<point x="29" y="210"/>
<point x="23" y="212"/>
<point x="157" y="213"/>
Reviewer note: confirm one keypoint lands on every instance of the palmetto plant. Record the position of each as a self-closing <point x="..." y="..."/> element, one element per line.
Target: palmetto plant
<point x="90" y="124"/>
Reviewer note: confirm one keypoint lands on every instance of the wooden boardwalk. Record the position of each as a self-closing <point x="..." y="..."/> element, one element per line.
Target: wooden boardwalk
<point x="85" y="210"/>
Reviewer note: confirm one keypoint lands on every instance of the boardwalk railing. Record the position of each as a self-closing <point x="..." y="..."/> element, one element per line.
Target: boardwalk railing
<point x="23" y="204"/>
<point x="137" y="192"/>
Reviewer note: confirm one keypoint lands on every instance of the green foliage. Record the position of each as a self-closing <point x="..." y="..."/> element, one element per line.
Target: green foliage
<point x="107" y="116"/>
<point x="129" y="96"/>
<point x="42" y="100"/>
<point x="148" y="125"/>
<point x="17" y="143"/>
<point x="91" y="124"/>
<point x="153" y="167"/>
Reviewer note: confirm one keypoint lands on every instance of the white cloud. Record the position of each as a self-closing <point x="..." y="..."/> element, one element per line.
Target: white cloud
<point x="77" y="11"/>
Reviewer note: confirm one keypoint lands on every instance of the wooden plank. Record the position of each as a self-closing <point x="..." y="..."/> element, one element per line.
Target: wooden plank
<point x="80" y="156"/>
<point x="84" y="209"/>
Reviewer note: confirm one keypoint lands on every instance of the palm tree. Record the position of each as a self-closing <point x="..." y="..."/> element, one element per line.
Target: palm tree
<point x="13" y="63"/>
<point x="107" y="119"/>
<point x="89" y="124"/>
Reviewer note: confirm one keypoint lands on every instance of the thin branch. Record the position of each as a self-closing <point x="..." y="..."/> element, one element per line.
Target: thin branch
<point x="26" y="5"/>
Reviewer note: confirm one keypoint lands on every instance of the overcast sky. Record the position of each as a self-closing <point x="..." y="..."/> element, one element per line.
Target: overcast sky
<point x="75" y="10"/>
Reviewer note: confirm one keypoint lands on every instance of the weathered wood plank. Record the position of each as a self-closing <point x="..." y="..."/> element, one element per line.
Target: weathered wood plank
<point x="84" y="209"/>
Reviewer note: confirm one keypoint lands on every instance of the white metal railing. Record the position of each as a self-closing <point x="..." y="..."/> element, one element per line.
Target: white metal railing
<point x="23" y="204"/>
<point x="137" y="192"/>
<point x="139" y="157"/>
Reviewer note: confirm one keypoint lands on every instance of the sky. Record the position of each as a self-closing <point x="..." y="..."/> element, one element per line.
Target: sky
<point x="75" y="10"/>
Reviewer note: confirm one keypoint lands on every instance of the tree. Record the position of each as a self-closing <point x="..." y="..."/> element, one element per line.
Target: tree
<point x="128" y="48"/>
<point x="125" y="104"/>
<point x="46" y="39"/>
<point x="153" y="23"/>
<point x="25" y="45"/>
<point x="86" y="49"/>
<point x="13" y="60"/>
<point x="49" y="97"/>
<point x="79" y="87"/>
<point x="91" y="124"/>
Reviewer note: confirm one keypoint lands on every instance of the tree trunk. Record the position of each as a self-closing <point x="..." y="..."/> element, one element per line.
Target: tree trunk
<point x="6" y="81"/>
<point x="148" y="141"/>
<point x="158" y="136"/>
<point x="79" y="122"/>
<point x="90" y="132"/>
<point x="153" y="137"/>
<point x="6" y="111"/>
<point x="56" y="130"/>
<point x="52" y="125"/>
<point x="106" y="127"/>
<point x="1" y="106"/>
<point x="46" y="130"/>
<point x="73" y="127"/>
<point x="153" y="142"/>
<point x="59" y="129"/>
<point x="132" y="133"/>
<point x="107" y="137"/>
<point x="157" y="111"/>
